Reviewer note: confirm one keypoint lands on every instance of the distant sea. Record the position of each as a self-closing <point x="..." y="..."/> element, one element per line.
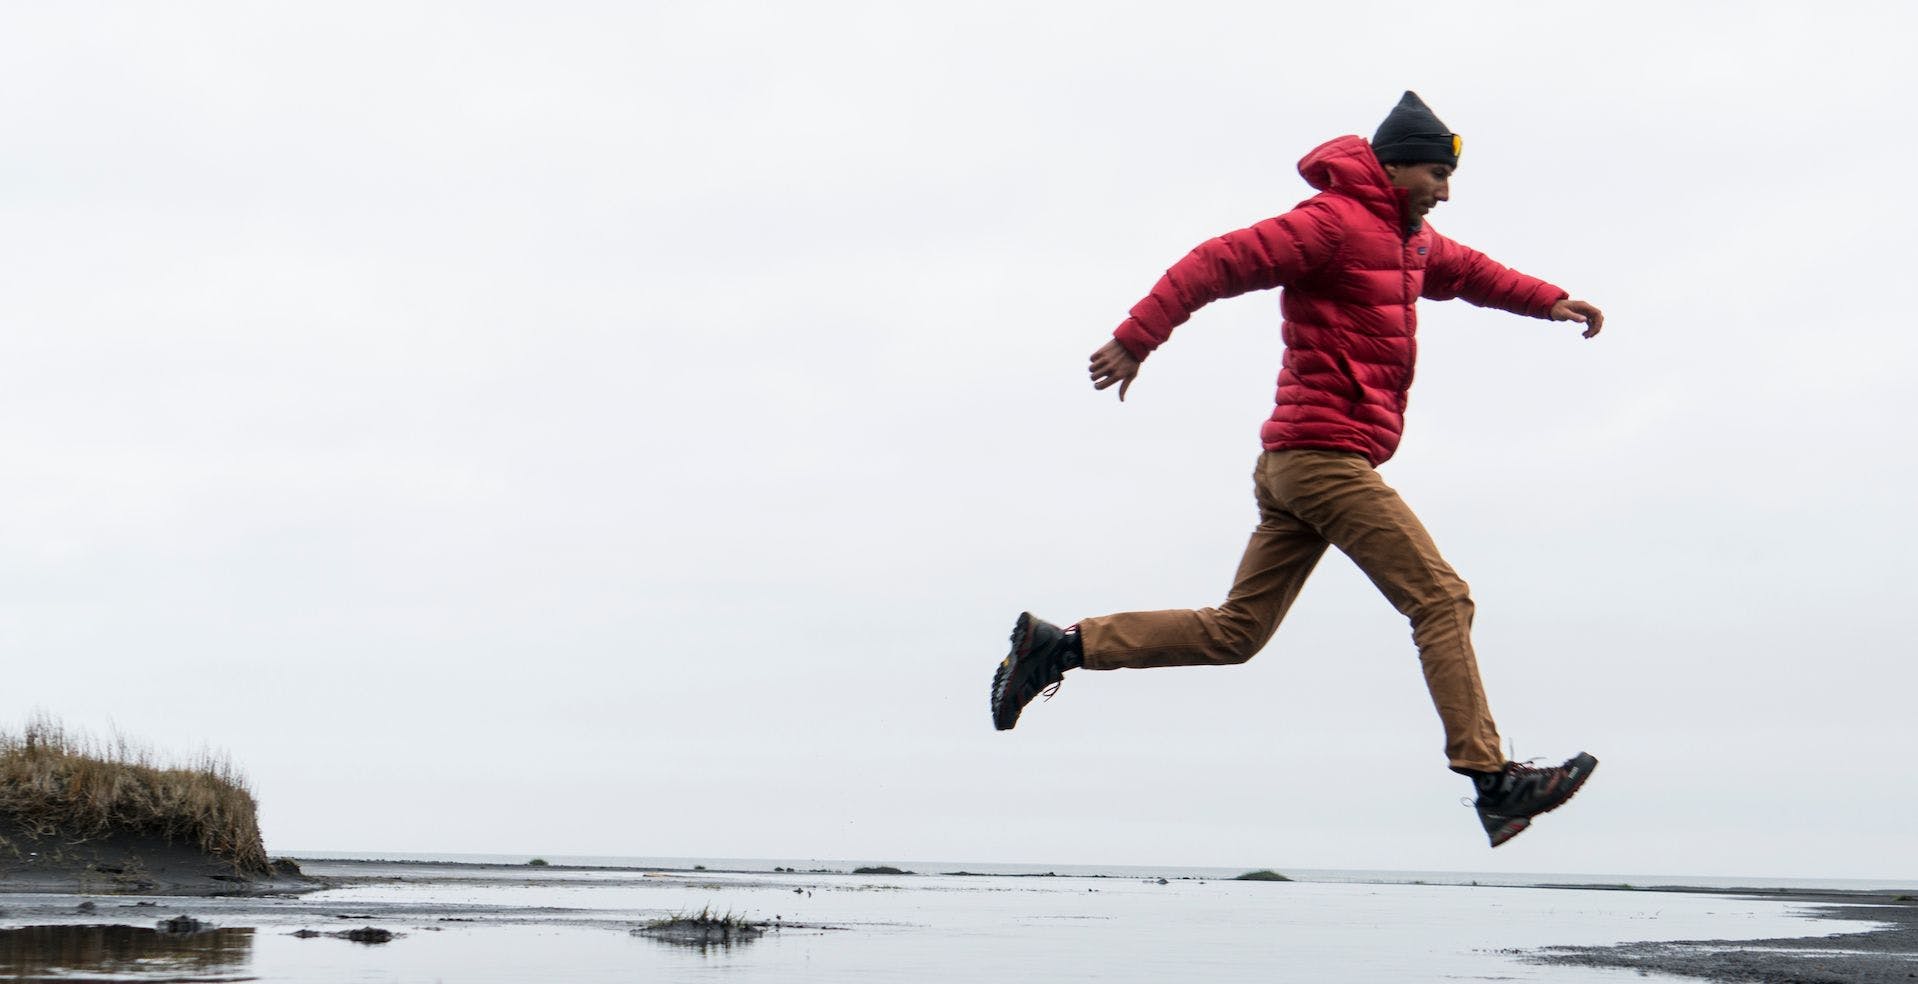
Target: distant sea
<point x="1335" y="875"/>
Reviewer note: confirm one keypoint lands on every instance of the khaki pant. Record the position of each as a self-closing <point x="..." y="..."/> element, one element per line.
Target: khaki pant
<point x="1308" y="499"/>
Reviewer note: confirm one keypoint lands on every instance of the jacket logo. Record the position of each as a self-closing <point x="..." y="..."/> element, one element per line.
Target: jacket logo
<point x="1422" y="250"/>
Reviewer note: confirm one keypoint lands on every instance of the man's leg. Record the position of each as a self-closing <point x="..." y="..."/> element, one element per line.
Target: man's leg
<point x="1279" y="557"/>
<point x="1345" y="500"/>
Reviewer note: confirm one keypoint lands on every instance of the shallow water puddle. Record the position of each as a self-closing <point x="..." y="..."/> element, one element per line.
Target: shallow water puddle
<point x="124" y="953"/>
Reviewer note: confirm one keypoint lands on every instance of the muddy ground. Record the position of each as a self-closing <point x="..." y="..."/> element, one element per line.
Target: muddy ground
<point x="124" y="864"/>
<point x="1886" y="955"/>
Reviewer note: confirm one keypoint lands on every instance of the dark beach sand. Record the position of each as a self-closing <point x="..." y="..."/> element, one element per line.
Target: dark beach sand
<point x="125" y="864"/>
<point x="1887" y="955"/>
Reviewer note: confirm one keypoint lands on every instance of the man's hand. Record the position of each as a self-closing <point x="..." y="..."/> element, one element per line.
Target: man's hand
<point x="1113" y="364"/>
<point x="1585" y="314"/>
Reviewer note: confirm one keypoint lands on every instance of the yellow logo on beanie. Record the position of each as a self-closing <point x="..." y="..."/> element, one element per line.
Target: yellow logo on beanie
<point x="1458" y="144"/>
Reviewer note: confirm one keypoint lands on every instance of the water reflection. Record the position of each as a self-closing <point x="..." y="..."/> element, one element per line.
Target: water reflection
<point x="124" y="953"/>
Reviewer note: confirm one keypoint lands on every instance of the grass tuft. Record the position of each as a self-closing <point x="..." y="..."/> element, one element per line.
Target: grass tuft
<point x="705" y="919"/>
<point x="708" y="928"/>
<point x="57" y="782"/>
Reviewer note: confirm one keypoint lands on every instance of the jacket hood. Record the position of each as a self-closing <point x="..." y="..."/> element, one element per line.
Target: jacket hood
<point x="1346" y="165"/>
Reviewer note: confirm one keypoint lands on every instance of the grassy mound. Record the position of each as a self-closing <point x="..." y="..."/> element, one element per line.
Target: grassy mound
<point x="1263" y="874"/>
<point x="60" y="784"/>
<point x="708" y="928"/>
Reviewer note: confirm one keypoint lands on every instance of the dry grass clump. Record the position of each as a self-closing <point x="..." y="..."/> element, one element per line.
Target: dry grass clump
<point x="59" y="783"/>
<point x="708" y="928"/>
<point x="705" y="917"/>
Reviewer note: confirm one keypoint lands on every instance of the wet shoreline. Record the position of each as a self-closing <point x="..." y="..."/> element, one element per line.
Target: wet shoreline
<point x="417" y="900"/>
<point x="1887" y="954"/>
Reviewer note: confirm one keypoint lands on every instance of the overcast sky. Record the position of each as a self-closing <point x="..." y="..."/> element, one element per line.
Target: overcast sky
<point x="632" y="429"/>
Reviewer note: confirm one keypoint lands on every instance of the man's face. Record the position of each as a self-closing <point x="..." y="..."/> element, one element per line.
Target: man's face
<point x="1425" y="185"/>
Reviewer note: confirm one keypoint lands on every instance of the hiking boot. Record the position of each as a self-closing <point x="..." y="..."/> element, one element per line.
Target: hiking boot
<point x="1509" y="798"/>
<point x="1041" y="654"/>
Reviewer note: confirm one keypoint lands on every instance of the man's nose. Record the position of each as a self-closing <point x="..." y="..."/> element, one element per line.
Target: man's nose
<point x="1445" y="191"/>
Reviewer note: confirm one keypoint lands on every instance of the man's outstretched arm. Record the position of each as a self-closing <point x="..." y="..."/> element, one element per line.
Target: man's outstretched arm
<point x="1460" y="271"/>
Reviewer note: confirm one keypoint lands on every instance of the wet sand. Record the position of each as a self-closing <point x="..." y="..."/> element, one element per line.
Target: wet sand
<point x="1886" y="955"/>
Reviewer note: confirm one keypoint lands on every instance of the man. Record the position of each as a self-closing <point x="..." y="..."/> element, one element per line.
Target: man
<point x="1352" y="262"/>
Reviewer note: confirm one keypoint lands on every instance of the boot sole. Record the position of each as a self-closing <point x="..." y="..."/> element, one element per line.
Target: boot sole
<point x="1509" y="829"/>
<point x="1004" y="714"/>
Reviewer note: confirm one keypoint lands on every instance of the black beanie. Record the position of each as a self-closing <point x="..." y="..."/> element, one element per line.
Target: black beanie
<point x="1412" y="134"/>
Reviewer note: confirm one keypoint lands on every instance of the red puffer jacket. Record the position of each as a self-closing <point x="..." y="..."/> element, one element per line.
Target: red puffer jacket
<point x="1352" y="276"/>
